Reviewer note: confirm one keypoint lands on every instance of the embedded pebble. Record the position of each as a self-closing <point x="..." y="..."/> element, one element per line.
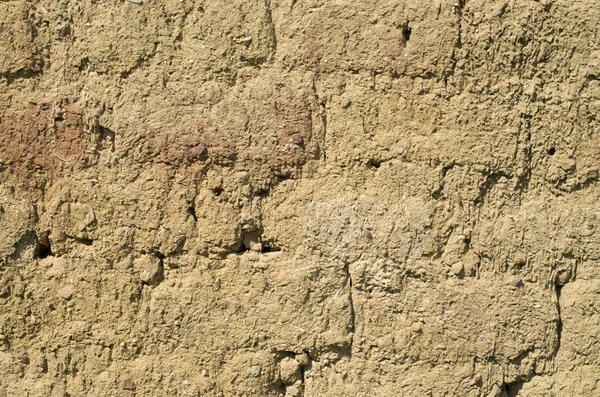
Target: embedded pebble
<point x="516" y="281"/>
<point x="128" y="385"/>
<point x="495" y="392"/>
<point x="289" y="370"/>
<point x="458" y="269"/>
<point x="254" y="371"/>
<point x="303" y="359"/>
<point x="416" y="326"/>
<point x="24" y="358"/>
<point x="67" y="292"/>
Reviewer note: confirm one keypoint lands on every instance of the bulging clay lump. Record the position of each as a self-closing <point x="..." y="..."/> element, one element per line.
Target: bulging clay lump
<point x="299" y="198"/>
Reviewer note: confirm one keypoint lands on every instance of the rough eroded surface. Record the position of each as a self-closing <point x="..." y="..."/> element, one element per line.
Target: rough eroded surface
<point x="299" y="198"/>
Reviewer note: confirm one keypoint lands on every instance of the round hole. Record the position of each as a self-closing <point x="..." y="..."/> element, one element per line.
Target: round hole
<point x="551" y="151"/>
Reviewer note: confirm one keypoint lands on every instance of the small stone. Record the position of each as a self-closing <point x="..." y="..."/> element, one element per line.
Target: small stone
<point x="55" y="265"/>
<point x="495" y="392"/>
<point x="243" y="40"/>
<point x="294" y="390"/>
<point x="298" y="139"/>
<point x="476" y="380"/>
<point x="150" y="269"/>
<point x="128" y="385"/>
<point x="303" y="359"/>
<point x="516" y="281"/>
<point x="458" y="269"/>
<point x="499" y="11"/>
<point x="136" y="1"/>
<point x="563" y="277"/>
<point x="24" y="358"/>
<point x="346" y="103"/>
<point x="199" y="152"/>
<point x="254" y="371"/>
<point x="417" y="326"/>
<point x="289" y="371"/>
<point x="67" y="292"/>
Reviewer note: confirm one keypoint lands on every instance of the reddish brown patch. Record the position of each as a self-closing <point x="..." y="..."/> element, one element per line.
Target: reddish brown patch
<point x="275" y="134"/>
<point x="178" y="149"/>
<point x="69" y="130"/>
<point x="32" y="142"/>
<point x="311" y="53"/>
<point x="24" y="358"/>
<point x="128" y="385"/>
<point x="293" y="117"/>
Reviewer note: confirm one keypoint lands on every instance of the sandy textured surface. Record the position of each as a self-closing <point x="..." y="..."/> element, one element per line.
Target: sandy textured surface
<point x="299" y="198"/>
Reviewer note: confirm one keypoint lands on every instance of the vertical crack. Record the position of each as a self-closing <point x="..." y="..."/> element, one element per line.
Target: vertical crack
<point x="271" y="30"/>
<point x="322" y="107"/>
<point x="523" y="155"/>
<point x="350" y="299"/>
<point x="459" y="10"/>
<point x="324" y="121"/>
<point x="559" y="324"/>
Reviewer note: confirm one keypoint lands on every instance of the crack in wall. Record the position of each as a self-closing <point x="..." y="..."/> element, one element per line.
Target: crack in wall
<point x="351" y="302"/>
<point x="559" y="324"/>
<point x="271" y="33"/>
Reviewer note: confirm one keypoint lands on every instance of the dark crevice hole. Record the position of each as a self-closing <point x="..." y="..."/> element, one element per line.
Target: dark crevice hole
<point x="406" y="31"/>
<point x="262" y="193"/>
<point x="512" y="389"/>
<point x="438" y="194"/>
<point x="559" y="325"/>
<point x="266" y="248"/>
<point x="44" y="249"/>
<point x="217" y="191"/>
<point x="243" y="248"/>
<point x="83" y="64"/>
<point x="85" y="241"/>
<point x="373" y="163"/>
<point x="192" y="211"/>
<point x="106" y="139"/>
<point x="551" y="151"/>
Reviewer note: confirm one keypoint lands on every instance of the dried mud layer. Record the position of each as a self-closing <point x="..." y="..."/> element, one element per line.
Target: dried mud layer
<point x="299" y="198"/>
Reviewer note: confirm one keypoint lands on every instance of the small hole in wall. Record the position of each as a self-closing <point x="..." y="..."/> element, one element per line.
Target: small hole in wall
<point x="373" y="163"/>
<point x="269" y="248"/>
<point x="44" y="250"/>
<point x="262" y="193"/>
<point x="270" y="245"/>
<point x="217" y="191"/>
<point x="85" y="241"/>
<point x="242" y="248"/>
<point x="406" y="31"/>
<point x="192" y="211"/>
<point x="551" y="151"/>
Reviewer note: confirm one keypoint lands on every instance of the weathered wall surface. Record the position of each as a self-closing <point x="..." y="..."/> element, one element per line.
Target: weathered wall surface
<point x="299" y="198"/>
